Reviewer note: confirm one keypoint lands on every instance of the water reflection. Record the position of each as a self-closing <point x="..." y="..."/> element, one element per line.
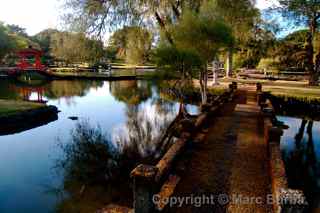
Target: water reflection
<point x="131" y="92"/>
<point x="301" y="154"/>
<point x="132" y="117"/>
<point x="53" y="90"/>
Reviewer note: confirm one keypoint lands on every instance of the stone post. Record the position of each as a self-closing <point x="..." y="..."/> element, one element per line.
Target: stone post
<point x="144" y="188"/>
<point x="215" y="67"/>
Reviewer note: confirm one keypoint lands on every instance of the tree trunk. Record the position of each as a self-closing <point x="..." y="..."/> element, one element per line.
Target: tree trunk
<point x="317" y="65"/>
<point x="203" y="87"/>
<point x="214" y="73"/>
<point x="163" y="27"/>
<point x="311" y="68"/>
<point x="229" y="63"/>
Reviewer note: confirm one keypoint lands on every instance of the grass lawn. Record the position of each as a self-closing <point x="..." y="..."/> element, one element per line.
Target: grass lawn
<point x="8" y="107"/>
<point x="299" y="92"/>
<point x="299" y="89"/>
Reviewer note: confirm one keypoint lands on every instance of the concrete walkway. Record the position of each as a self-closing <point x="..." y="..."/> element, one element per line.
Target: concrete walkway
<point x="230" y="166"/>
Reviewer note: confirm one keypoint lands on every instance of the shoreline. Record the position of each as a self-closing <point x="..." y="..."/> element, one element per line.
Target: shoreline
<point x="29" y="117"/>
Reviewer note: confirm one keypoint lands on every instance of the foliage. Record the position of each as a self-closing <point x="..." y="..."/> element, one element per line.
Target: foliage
<point x="13" y="38"/>
<point x="6" y="44"/>
<point x="138" y="46"/>
<point x="172" y="59"/>
<point x="130" y="92"/>
<point x="290" y="52"/>
<point x="202" y="33"/>
<point x="302" y="12"/>
<point x="257" y="46"/>
<point x="198" y="38"/>
<point x="96" y="17"/>
<point x="76" y="47"/>
<point x="267" y="64"/>
<point x="305" y="13"/>
<point x="15" y="29"/>
<point x="241" y="16"/>
<point x="44" y="38"/>
<point x="132" y="44"/>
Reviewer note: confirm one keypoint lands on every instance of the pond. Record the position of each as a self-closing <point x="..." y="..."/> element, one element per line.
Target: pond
<point x="30" y="180"/>
<point x="300" y="146"/>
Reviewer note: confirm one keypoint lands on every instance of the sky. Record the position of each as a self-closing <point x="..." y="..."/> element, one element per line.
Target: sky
<point x="37" y="15"/>
<point x="34" y="15"/>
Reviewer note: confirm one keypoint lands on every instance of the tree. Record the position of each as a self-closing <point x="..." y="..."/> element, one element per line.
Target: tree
<point x="305" y="13"/>
<point x="16" y="29"/>
<point x="132" y="44"/>
<point x="241" y="16"/>
<point x="118" y="42"/>
<point x="6" y="44"/>
<point x="291" y="52"/>
<point x="44" y="38"/>
<point x="76" y="47"/>
<point x="258" y="45"/>
<point x="204" y="34"/>
<point x="171" y="59"/>
<point x="138" y="45"/>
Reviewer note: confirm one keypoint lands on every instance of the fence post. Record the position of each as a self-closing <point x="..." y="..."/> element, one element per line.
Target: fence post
<point x="259" y="87"/>
<point x="144" y="188"/>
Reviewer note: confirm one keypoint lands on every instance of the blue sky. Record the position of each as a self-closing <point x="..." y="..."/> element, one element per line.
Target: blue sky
<point x="36" y="15"/>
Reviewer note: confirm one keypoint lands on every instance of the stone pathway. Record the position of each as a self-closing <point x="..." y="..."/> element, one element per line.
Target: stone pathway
<point x="230" y="166"/>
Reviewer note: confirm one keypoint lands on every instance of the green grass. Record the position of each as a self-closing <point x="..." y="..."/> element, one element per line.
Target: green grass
<point x="9" y="107"/>
<point x="297" y="89"/>
<point x="283" y="83"/>
<point x="298" y="92"/>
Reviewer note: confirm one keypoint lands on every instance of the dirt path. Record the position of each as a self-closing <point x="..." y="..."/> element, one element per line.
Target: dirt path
<point x="230" y="165"/>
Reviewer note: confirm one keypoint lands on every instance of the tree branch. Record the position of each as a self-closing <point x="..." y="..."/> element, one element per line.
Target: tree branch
<point x="163" y="27"/>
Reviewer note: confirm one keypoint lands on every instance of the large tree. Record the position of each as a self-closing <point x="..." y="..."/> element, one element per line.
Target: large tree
<point x="204" y="34"/>
<point x="6" y="45"/>
<point x="76" y="47"/>
<point x="132" y="44"/>
<point x="13" y="38"/>
<point x="44" y="38"/>
<point x="97" y="17"/>
<point x="242" y="17"/>
<point x="306" y="13"/>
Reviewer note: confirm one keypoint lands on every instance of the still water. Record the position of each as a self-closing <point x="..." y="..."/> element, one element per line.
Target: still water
<point x="300" y="146"/>
<point x="28" y="159"/>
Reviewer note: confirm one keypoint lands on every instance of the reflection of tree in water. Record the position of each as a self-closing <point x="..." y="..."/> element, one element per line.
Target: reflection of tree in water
<point x="9" y="90"/>
<point x="70" y="89"/>
<point x="141" y="134"/>
<point x="131" y="92"/>
<point x="94" y="160"/>
<point x="95" y="172"/>
<point x="301" y="164"/>
<point x="52" y="90"/>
